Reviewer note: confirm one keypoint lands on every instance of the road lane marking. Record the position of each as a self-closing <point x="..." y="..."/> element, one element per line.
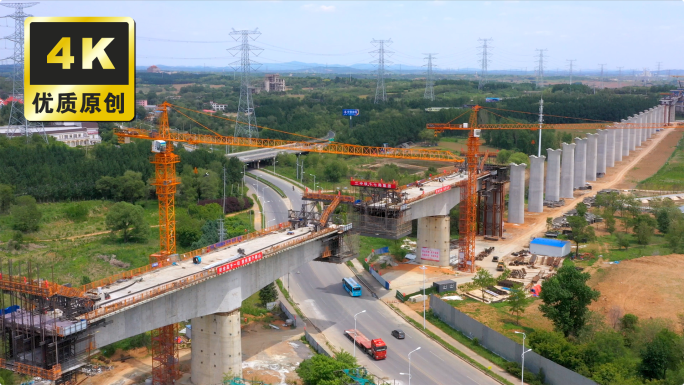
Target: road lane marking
<point x="440" y="358"/>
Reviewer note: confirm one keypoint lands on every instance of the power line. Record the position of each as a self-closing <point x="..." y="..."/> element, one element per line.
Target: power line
<point x="602" y="75"/>
<point x="483" y="62"/>
<point x="245" y="124"/>
<point x="429" y="81"/>
<point x="380" y="95"/>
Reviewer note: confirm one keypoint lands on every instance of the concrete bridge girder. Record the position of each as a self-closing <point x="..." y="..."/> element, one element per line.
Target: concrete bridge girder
<point x="217" y="295"/>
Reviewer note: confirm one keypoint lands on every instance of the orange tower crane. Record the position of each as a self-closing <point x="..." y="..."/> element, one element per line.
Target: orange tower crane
<point x="165" y="370"/>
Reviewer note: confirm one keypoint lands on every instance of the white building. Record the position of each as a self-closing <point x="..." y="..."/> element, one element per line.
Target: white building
<point x="72" y="133"/>
<point x="218" y="107"/>
<point x="550" y="247"/>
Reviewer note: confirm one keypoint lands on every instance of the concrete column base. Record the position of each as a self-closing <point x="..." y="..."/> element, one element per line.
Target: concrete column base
<point x="216" y="348"/>
<point x="433" y="233"/>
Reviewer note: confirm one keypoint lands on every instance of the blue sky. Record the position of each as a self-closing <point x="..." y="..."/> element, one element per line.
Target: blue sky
<point x="630" y="34"/>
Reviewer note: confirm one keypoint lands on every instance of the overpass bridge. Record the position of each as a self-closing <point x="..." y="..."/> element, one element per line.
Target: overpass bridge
<point x="49" y="329"/>
<point x="384" y="210"/>
<point x="253" y="157"/>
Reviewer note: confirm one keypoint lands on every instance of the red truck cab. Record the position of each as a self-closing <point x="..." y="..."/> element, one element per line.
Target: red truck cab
<point x="375" y="348"/>
<point x="379" y="349"/>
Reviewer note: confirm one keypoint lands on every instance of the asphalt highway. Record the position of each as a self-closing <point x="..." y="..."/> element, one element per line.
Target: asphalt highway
<point x="317" y="289"/>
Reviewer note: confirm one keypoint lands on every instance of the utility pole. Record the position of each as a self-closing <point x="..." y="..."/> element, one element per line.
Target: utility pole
<point x="620" y="77"/>
<point x="541" y="121"/>
<point x="429" y="81"/>
<point x="601" y="75"/>
<point x="571" y="61"/>
<point x="658" y="66"/>
<point x="540" y="68"/>
<point x="380" y="95"/>
<point x="245" y="122"/>
<point x="484" y="62"/>
<point x="17" y="123"/>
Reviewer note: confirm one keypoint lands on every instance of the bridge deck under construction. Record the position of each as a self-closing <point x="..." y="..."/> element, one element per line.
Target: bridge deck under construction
<point x="124" y="289"/>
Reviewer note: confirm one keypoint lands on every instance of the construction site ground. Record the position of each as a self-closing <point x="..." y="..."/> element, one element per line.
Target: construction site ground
<point x="648" y="287"/>
<point x="270" y="355"/>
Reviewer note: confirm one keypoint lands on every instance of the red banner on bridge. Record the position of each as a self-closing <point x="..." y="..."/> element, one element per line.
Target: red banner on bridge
<point x="239" y="262"/>
<point x="442" y="189"/>
<point x="366" y="183"/>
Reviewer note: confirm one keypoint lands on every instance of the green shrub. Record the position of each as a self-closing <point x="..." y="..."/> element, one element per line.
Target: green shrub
<point x="76" y="212"/>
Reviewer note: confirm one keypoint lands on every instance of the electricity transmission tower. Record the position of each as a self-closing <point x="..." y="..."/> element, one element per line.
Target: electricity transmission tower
<point x="540" y="68"/>
<point x="380" y="95"/>
<point x="18" y="125"/>
<point x="484" y="62"/>
<point x="245" y="124"/>
<point x="620" y="77"/>
<point x="429" y="82"/>
<point x="602" y="75"/>
<point x="571" y="61"/>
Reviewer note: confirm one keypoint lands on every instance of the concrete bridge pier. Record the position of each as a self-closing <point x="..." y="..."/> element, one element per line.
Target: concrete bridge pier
<point x="626" y="137"/>
<point x="610" y="147"/>
<point x="553" y="174"/>
<point x="601" y="152"/>
<point x="567" y="170"/>
<point x="618" y="145"/>
<point x="516" y="194"/>
<point x="535" y="197"/>
<point x="592" y="153"/>
<point x="433" y="233"/>
<point x="633" y="134"/>
<point x="216" y="348"/>
<point x="580" y="163"/>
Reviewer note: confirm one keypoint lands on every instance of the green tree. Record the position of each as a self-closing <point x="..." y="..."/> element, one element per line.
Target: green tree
<point x="566" y="298"/>
<point x="389" y="172"/>
<point x="268" y="293"/>
<point x="517" y="302"/>
<point x="25" y="214"/>
<point x="6" y="195"/>
<point x="519" y="158"/>
<point x="127" y="218"/>
<point x="502" y="156"/>
<point x="581" y="209"/>
<point x="334" y="171"/>
<point x="609" y="221"/>
<point x="660" y="355"/>
<point x="432" y="170"/>
<point x="549" y="223"/>
<point x="581" y="231"/>
<point x="483" y="279"/>
<point x="675" y="236"/>
<point x="622" y="240"/>
<point x="131" y="187"/>
<point x="644" y="233"/>
<point x="323" y="370"/>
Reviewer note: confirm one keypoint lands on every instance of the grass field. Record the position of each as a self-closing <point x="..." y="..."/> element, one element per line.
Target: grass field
<point x="671" y="176"/>
<point x="57" y="248"/>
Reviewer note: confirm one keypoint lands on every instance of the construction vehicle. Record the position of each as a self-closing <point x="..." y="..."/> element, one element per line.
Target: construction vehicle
<point x="500" y="266"/>
<point x="375" y="348"/>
